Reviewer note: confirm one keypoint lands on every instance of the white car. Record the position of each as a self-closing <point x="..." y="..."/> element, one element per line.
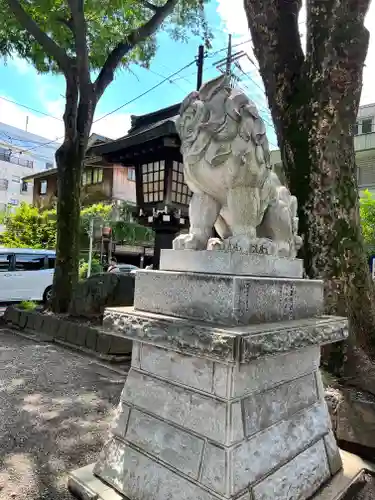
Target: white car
<point x="26" y="274"/>
<point x="123" y="268"/>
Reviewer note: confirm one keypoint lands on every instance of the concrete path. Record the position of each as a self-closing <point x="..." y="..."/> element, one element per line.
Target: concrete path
<point x="55" y="411"/>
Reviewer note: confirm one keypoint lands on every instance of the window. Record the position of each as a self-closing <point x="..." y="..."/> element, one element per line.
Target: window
<point x="29" y="262"/>
<point x="92" y="176"/>
<point x="367" y="126"/>
<point x="4" y="184"/>
<point x="97" y="175"/>
<point x="16" y="179"/>
<point x="24" y="186"/>
<point x="153" y="181"/>
<point x="5" y="261"/>
<point x="180" y="191"/>
<point x="43" y="187"/>
<point x="355" y="129"/>
<point x="51" y="262"/>
<point x="131" y="174"/>
<point x="49" y="165"/>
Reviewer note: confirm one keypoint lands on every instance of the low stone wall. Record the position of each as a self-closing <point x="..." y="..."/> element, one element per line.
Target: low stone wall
<point x="61" y="330"/>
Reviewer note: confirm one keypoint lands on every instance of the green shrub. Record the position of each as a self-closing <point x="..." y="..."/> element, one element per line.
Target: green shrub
<point x="96" y="267"/>
<point x="28" y="305"/>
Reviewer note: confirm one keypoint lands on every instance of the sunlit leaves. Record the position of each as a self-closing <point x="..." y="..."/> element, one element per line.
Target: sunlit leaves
<point x="108" y="23"/>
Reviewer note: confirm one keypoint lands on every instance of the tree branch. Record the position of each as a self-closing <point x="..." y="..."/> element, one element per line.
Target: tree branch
<point x="68" y="23"/>
<point x="49" y="45"/>
<point x="138" y="35"/>
<point x="149" y="5"/>
<point x="80" y="36"/>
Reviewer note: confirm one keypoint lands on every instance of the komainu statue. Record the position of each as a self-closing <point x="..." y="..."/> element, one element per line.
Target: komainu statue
<point x="227" y="167"/>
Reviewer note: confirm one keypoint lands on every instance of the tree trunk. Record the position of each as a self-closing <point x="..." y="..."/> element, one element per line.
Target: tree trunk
<point x="69" y="161"/>
<point x="314" y="100"/>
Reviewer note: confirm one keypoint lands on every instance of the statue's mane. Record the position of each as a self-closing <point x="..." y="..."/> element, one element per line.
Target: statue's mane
<point x="222" y="104"/>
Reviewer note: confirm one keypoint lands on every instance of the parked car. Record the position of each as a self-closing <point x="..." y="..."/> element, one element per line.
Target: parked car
<point x="26" y="274"/>
<point x="122" y="268"/>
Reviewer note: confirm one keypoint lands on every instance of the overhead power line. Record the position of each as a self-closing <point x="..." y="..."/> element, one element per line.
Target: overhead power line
<point x="30" y="108"/>
<point x="168" y="78"/>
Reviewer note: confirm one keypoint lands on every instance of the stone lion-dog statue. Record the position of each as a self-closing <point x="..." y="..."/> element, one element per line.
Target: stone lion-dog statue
<point x="227" y="167"/>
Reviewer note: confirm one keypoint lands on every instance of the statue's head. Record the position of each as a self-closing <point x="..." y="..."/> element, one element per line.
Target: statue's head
<point x="220" y="113"/>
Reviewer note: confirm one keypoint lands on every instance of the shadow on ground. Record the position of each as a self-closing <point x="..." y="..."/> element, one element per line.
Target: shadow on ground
<point x="55" y="411"/>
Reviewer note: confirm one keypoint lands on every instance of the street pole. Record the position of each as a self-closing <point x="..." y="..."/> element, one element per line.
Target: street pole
<point x="200" y="66"/>
<point x="229" y="56"/>
<point x="91" y="237"/>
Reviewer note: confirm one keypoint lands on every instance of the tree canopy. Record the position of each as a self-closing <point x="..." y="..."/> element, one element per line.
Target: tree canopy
<point x="29" y="227"/>
<point x="104" y="31"/>
<point x="86" y="41"/>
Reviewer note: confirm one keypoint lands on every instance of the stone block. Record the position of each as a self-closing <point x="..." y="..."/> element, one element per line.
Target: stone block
<point x="333" y="454"/>
<point x="355" y="415"/>
<point x="62" y="329"/>
<point x="137" y="476"/>
<point x="81" y="335"/>
<point x="91" y="340"/>
<point x="192" y="337"/>
<point x="30" y="320"/>
<point x="228" y="300"/>
<point x="120" y="422"/>
<point x="53" y="327"/>
<point x="286" y="336"/>
<point x="38" y="321"/>
<point x="136" y="354"/>
<point x="101" y="290"/>
<point x="23" y="319"/>
<point x="186" y="408"/>
<point x="278" y="444"/>
<point x="265" y="373"/>
<point x="223" y="343"/>
<point x="103" y="343"/>
<point x="11" y="315"/>
<point x="215" y="469"/>
<point x="298" y="479"/>
<point x="234" y="263"/>
<point x="120" y="345"/>
<point x="263" y="409"/>
<point x="174" y="446"/>
<point x="71" y="331"/>
<point x="189" y="371"/>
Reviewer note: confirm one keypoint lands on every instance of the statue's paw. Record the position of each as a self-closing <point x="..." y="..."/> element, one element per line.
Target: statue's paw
<point x="189" y="242"/>
<point x="215" y="244"/>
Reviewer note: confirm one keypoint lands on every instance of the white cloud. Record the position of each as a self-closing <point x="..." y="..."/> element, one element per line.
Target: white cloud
<point x="16" y="116"/>
<point x="113" y="126"/>
<point x="21" y="65"/>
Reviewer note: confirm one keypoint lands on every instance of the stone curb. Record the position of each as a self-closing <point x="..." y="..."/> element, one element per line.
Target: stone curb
<point x="107" y="346"/>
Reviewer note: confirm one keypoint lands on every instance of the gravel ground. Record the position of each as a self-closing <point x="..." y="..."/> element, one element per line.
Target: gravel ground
<point x="55" y="411"/>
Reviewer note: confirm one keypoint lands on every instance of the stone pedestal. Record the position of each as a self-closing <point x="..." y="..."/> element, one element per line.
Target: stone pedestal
<point x="224" y="399"/>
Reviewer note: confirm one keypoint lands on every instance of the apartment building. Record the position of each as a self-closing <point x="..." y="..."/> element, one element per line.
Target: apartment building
<point x="21" y="154"/>
<point x="364" y="145"/>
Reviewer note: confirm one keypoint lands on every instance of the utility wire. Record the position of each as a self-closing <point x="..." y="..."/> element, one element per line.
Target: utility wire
<point x="122" y="105"/>
<point x="146" y="92"/>
<point x="168" y="78"/>
<point x="32" y="109"/>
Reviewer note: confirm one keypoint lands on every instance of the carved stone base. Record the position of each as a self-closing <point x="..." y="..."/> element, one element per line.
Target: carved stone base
<point x="234" y="263"/>
<point x="199" y="429"/>
<point x="227" y="299"/>
<point x="85" y="486"/>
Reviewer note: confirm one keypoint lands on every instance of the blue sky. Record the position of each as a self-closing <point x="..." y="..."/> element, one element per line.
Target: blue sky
<point x="20" y="82"/>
